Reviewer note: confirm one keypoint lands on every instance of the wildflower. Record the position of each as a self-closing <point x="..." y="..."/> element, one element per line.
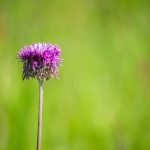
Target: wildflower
<point x="40" y="61"/>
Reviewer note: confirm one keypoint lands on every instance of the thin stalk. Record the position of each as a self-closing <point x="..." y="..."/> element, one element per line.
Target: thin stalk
<point x="39" y="130"/>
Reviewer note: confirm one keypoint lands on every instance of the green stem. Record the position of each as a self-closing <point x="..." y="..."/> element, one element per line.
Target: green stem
<point x="39" y="131"/>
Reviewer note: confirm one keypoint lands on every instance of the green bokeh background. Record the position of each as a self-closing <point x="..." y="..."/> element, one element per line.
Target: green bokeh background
<point x="102" y="99"/>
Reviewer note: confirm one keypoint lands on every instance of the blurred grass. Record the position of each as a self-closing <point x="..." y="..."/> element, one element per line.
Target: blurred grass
<point x="101" y="101"/>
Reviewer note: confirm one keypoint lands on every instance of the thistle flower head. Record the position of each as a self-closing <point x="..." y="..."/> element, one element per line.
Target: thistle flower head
<point x="40" y="61"/>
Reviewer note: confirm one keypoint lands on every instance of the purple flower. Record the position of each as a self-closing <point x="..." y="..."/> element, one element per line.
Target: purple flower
<point x="40" y="61"/>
